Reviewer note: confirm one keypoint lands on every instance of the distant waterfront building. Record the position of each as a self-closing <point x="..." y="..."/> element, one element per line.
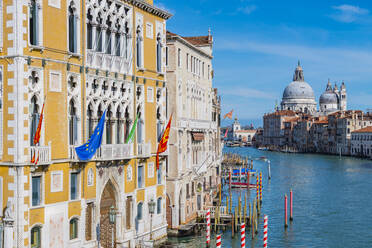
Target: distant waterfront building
<point x="240" y="134"/>
<point x="195" y="149"/>
<point x="361" y="142"/>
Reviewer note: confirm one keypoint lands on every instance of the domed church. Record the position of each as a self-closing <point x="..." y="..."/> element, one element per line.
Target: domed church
<point x="333" y="99"/>
<point x="299" y="96"/>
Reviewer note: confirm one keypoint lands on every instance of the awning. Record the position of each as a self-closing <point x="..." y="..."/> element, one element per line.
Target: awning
<point x="197" y="136"/>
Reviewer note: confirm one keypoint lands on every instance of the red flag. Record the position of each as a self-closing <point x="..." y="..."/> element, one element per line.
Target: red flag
<point x="37" y="160"/>
<point x="227" y="130"/>
<point x="33" y="158"/>
<point x="162" y="147"/>
<point x="228" y="115"/>
<point x="38" y="130"/>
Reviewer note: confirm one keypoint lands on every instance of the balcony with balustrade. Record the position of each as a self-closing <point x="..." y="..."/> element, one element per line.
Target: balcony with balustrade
<point x="41" y="155"/>
<point x="107" y="152"/>
<point x="144" y="150"/>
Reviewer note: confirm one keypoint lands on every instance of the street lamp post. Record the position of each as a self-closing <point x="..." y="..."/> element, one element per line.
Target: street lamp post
<point x="151" y="204"/>
<point x="112" y="219"/>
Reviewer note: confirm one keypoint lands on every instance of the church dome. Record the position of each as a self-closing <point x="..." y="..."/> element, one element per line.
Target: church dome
<point x="298" y="89"/>
<point x="329" y="96"/>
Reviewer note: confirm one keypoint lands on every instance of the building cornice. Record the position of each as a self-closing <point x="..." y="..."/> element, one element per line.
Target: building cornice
<point x="171" y="38"/>
<point x="150" y="8"/>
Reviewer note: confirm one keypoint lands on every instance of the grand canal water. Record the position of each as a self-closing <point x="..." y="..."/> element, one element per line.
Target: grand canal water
<point x="332" y="201"/>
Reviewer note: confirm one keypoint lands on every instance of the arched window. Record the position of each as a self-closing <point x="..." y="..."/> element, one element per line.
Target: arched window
<point x="72" y="28"/>
<point x="127" y="123"/>
<point x="126" y="37"/>
<point x="119" y="124"/>
<point x="109" y="126"/>
<point x="34" y="23"/>
<point x="108" y="36"/>
<point x="117" y="39"/>
<point x="139" y="48"/>
<point x="73" y="228"/>
<point x="139" y="125"/>
<point x="139" y="211"/>
<point x="89" y="30"/>
<point x="99" y="34"/>
<point x="158" y="53"/>
<point x="90" y="120"/>
<point x="35" y="116"/>
<point x="73" y="123"/>
<point x="36" y="237"/>
<point x="158" y="206"/>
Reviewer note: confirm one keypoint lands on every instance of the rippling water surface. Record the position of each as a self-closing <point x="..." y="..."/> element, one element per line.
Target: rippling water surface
<point x="332" y="202"/>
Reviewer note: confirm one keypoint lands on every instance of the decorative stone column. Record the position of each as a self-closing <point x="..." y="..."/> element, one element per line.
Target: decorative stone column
<point x="8" y="232"/>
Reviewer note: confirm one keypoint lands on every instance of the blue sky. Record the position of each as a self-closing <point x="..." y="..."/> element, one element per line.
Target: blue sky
<point x="257" y="45"/>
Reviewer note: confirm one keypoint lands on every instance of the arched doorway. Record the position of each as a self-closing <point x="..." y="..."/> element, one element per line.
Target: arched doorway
<point x="108" y="199"/>
<point x="169" y="213"/>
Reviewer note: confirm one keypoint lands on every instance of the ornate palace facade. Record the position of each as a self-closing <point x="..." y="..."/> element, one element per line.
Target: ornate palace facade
<point x="78" y="59"/>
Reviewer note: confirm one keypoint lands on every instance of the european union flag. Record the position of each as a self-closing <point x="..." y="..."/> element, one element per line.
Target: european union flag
<point x="87" y="151"/>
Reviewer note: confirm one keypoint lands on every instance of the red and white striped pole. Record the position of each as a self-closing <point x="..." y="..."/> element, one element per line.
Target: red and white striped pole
<point x="265" y="232"/>
<point x="242" y="235"/>
<point x="218" y="241"/>
<point x="208" y="216"/>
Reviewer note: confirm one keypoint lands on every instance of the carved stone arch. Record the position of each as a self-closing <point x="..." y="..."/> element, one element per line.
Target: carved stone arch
<point x="109" y="197"/>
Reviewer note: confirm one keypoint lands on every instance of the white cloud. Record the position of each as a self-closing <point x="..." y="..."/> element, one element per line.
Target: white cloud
<point x="348" y="13"/>
<point x="247" y="9"/>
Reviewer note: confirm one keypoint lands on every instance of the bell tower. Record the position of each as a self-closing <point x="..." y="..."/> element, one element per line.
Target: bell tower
<point x="343" y="97"/>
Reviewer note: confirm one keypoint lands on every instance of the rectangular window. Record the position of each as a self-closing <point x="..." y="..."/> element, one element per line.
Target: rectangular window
<point x="159" y="174"/>
<point x="140" y="177"/>
<point x="34" y="25"/>
<point x="179" y="57"/>
<point x="158" y="206"/>
<point x="74" y="186"/>
<point x="209" y="71"/>
<point x="36" y="191"/>
<point x="192" y="189"/>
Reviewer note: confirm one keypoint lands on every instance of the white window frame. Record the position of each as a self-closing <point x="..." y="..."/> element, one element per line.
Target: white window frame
<point x="77" y="4"/>
<point x="42" y="195"/>
<point x="78" y="185"/>
<point x="1" y="25"/>
<point x="40" y="24"/>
